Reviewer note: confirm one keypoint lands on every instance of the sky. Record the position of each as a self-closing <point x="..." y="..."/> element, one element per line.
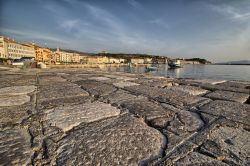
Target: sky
<point x="217" y="30"/>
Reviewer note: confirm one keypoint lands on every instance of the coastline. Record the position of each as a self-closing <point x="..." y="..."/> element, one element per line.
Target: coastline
<point x="82" y="116"/>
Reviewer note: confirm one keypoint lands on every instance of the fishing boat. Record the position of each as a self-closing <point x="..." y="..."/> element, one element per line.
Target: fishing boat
<point x="175" y="63"/>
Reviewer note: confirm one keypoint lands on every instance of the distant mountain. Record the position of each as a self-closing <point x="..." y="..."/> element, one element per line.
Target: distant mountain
<point x="242" y="62"/>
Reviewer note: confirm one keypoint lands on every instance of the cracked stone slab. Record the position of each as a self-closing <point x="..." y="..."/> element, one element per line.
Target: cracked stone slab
<point x="99" y="78"/>
<point x="150" y="111"/>
<point x="124" y="84"/>
<point x="6" y="101"/>
<point x="67" y="117"/>
<point x="96" y="88"/>
<point x="192" y="90"/>
<point x="184" y="125"/>
<point x="228" y="144"/>
<point x="195" y="158"/>
<point x="17" y="90"/>
<point x="47" y="104"/>
<point x="230" y="96"/>
<point x="14" y="114"/>
<point x="176" y="98"/>
<point x="49" y="79"/>
<point x="119" y="77"/>
<point x="15" y="147"/>
<point x="17" y="80"/>
<point x="224" y="88"/>
<point x="118" y="97"/>
<point x="59" y="90"/>
<point x="123" y="140"/>
<point x="236" y="84"/>
<point x="207" y="81"/>
<point x="231" y="110"/>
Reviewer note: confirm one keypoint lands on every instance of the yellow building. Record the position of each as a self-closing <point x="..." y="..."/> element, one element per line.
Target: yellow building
<point x="13" y="50"/>
<point x="43" y="54"/>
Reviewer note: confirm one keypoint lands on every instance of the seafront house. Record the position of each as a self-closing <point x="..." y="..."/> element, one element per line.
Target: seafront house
<point x="10" y="49"/>
<point x="137" y="60"/>
<point x="67" y="57"/>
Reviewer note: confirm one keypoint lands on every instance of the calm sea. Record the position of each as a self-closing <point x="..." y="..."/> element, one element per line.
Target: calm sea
<point x="223" y="72"/>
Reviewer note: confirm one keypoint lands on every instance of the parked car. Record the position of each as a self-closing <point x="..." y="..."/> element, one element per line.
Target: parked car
<point x="21" y="61"/>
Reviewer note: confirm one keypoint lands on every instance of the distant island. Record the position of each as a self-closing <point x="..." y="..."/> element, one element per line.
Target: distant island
<point x="242" y="62"/>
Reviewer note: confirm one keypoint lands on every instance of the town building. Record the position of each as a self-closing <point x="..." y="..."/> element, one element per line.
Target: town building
<point x="137" y="60"/>
<point x="43" y="54"/>
<point x="76" y="58"/>
<point x="98" y="60"/>
<point x="10" y="49"/>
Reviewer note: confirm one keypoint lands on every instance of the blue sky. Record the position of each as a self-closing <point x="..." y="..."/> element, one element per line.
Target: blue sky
<point x="218" y="30"/>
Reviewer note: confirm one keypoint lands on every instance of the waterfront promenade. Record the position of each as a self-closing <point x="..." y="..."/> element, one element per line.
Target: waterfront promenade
<point x="92" y="117"/>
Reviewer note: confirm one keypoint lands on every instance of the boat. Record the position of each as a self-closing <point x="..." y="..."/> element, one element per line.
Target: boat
<point x="175" y="63"/>
<point x="150" y="68"/>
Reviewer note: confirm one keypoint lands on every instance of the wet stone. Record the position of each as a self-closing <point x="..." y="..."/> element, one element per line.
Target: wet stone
<point x="230" y="96"/>
<point x="231" y="110"/>
<point x="123" y="140"/>
<point x="236" y="84"/>
<point x="192" y="90"/>
<point x="15" y="147"/>
<point x="67" y="117"/>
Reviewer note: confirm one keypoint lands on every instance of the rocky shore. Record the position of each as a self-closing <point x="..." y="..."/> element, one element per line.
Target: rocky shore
<point x="91" y="117"/>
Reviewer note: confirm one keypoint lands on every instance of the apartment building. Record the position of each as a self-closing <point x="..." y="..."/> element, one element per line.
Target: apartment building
<point x="10" y="49"/>
<point x="43" y="54"/>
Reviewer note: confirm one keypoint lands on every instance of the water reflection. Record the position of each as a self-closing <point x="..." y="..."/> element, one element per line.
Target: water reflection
<point x="228" y="72"/>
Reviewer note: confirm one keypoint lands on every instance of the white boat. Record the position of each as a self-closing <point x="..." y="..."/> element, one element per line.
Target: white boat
<point x="175" y="63"/>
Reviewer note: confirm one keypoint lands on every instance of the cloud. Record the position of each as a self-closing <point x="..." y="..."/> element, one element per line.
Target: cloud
<point x="135" y="4"/>
<point x="232" y="12"/>
<point x="160" y="22"/>
<point x="69" y="25"/>
<point x="32" y="35"/>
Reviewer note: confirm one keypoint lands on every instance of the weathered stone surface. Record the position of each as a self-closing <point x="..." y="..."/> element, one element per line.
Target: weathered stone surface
<point x="123" y="140"/>
<point x="228" y="144"/>
<point x="118" y="97"/>
<point x="192" y="90"/>
<point x="124" y="84"/>
<point x="15" y="147"/>
<point x="68" y="117"/>
<point x="14" y="114"/>
<point x="13" y="100"/>
<point x="230" y="96"/>
<point x="96" y="88"/>
<point x="17" y="90"/>
<point x="224" y="88"/>
<point x="99" y="78"/>
<point x="53" y="91"/>
<point x="231" y="110"/>
<point x="184" y="125"/>
<point x="197" y="159"/>
<point x="148" y="110"/>
<point x="50" y="79"/>
<point x="119" y="77"/>
<point x="176" y="98"/>
<point x="74" y="100"/>
<point x="236" y="84"/>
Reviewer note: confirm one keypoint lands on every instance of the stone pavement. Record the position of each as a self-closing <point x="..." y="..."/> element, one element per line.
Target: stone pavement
<point x="92" y="117"/>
